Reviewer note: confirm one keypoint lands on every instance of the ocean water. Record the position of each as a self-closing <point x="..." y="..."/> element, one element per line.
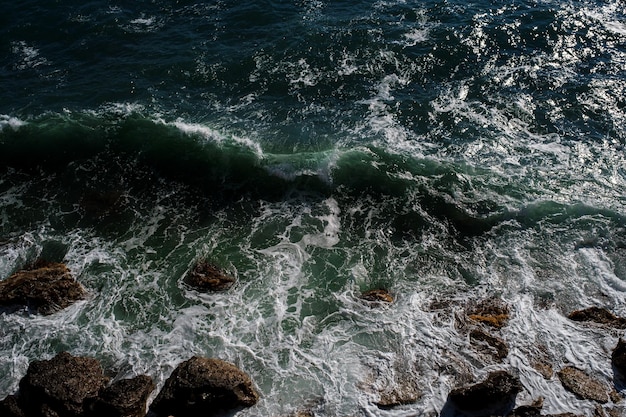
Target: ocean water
<point x="448" y="151"/>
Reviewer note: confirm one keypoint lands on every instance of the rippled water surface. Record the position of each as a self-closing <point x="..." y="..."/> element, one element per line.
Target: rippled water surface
<point x="450" y="152"/>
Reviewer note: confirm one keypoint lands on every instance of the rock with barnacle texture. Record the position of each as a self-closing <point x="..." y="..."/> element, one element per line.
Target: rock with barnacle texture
<point x="207" y="277"/>
<point x="60" y="386"/>
<point x="204" y="387"/>
<point x="492" y="312"/>
<point x="496" y="346"/>
<point x="405" y="391"/>
<point x="377" y="295"/>
<point x="46" y="288"/>
<point x="584" y="386"/>
<point x="123" y="398"/>
<point x="497" y="391"/>
<point x="599" y="316"/>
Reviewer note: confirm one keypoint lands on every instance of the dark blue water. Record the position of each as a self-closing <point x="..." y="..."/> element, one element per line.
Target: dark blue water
<point x="448" y="151"/>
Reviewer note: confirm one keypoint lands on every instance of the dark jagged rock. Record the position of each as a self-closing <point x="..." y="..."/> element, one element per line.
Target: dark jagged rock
<point x="47" y="288"/>
<point x="207" y="277"/>
<point x="492" y="312"/>
<point x="377" y="295"/>
<point x="584" y="386"/>
<point x="60" y="386"/>
<point x="598" y="315"/>
<point x="532" y="410"/>
<point x="124" y="398"/>
<point x="498" y="390"/>
<point x="204" y="387"/>
<point x="9" y="407"/>
<point x="499" y="346"/>
<point x="618" y="357"/>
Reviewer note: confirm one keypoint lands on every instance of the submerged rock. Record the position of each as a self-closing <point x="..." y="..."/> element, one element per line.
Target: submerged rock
<point x="497" y="391"/>
<point x="401" y="393"/>
<point x="492" y="312"/>
<point x="47" y="288"/>
<point x="607" y="412"/>
<point x="303" y="413"/>
<point x="584" y="386"/>
<point x="377" y="295"/>
<point x="124" y="398"/>
<point x="532" y="410"/>
<point x="392" y="384"/>
<point x="618" y="357"/>
<point x="60" y="386"/>
<point x="204" y="387"/>
<point x="208" y="277"/>
<point x="598" y="315"/>
<point x="498" y="346"/>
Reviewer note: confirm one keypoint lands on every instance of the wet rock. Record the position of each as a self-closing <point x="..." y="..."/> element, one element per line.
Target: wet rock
<point x="392" y="384"/>
<point x="439" y="304"/>
<point x="204" y="387"/>
<point x="46" y="289"/>
<point x="124" y="398"/>
<point x="492" y="312"/>
<point x="618" y="358"/>
<point x="497" y="391"/>
<point x="377" y="295"/>
<point x="584" y="386"/>
<point x="609" y="412"/>
<point x="403" y="392"/>
<point x="598" y="315"/>
<point x="499" y="347"/>
<point x="9" y="407"/>
<point x="544" y="368"/>
<point x="208" y="277"/>
<point x="60" y="386"/>
<point x="532" y="410"/>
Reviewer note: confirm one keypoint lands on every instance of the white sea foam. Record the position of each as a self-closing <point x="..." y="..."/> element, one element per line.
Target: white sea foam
<point x="216" y="136"/>
<point x="303" y="344"/>
<point x="142" y="24"/>
<point x="416" y="36"/>
<point x="303" y="75"/>
<point x="28" y="56"/>
<point x="294" y="319"/>
<point x="10" y="122"/>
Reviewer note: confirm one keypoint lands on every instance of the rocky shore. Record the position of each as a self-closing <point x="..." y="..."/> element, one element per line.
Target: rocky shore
<point x="72" y="386"/>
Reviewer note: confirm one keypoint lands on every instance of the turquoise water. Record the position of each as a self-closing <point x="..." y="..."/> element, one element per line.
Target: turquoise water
<point x="447" y="151"/>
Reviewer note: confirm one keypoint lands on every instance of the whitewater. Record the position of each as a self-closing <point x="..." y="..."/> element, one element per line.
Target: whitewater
<point x="449" y="152"/>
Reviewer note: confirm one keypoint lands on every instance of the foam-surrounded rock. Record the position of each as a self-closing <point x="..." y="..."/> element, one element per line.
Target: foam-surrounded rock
<point x="60" y="385"/>
<point x="124" y="398"/>
<point x="500" y="388"/>
<point x="584" y="386"/>
<point x="204" y="387"/>
<point x="46" y="289"/>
